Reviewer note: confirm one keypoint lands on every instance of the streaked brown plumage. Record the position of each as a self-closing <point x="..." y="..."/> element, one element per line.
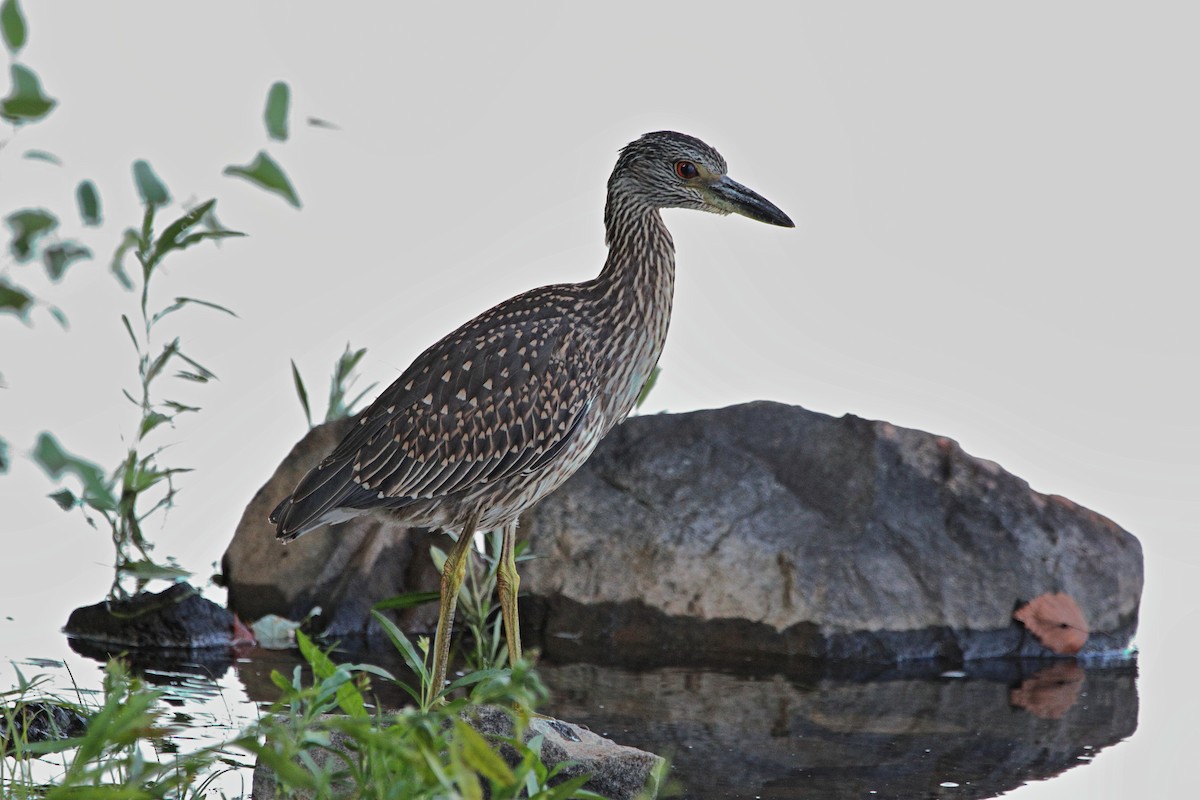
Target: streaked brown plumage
<point x="500" y="412"/>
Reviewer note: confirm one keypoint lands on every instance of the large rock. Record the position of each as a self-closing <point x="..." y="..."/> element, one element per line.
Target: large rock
<point x="759" y="529"/>
<point x="176" y="620"/>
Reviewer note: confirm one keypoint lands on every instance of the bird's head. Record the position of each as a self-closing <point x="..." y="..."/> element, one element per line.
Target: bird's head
<point x="672" y="170"/>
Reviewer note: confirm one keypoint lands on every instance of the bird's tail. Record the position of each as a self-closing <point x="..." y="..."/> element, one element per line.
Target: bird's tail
<point x="316" y="501"/>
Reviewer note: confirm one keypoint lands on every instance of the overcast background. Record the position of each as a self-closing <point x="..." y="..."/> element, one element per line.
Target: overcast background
<point x="996" y="209"/>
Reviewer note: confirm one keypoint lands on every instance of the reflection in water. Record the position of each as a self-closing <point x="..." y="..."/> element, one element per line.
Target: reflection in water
<point x="807" y="731"/>
<point x="904" y="733"/>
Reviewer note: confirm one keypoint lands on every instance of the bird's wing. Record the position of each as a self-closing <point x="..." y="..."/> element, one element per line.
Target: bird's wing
<point x="485" y="403"/>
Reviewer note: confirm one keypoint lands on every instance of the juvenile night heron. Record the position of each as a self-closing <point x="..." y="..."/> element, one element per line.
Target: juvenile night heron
<point x="500" y="412"/>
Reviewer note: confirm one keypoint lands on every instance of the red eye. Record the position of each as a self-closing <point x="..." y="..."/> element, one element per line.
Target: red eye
<point x="686" y="170"/>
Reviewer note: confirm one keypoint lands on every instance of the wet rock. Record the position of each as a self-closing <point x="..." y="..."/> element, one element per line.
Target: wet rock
<point x="38" y="721"/>
<point x="617" y="772"/>
<point x="765" y="528"/>
<point x="176" y="619"/>
<point x="759" y="530"/>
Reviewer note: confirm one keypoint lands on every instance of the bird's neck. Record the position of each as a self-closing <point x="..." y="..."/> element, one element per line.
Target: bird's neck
<point x="633" y="295"/>
<point x="641" y="254"/>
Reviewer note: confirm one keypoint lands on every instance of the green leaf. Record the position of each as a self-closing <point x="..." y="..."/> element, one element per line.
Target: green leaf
<point x="147" y="570"/>
<point x="348" y="362"/>
<point x="4" y="462"/>
<point x="132" y="337"/>
<point x="176" y="236"/>
<point x="59" y="316"/>
<point x="647" y="386"/>
<point x="301" y="393"/>
<point x="129" y="241"/>
<point x="180" y="302"/>
<point x="179" y="408"/>
<point x="142" y="478"/>
<point x="201" y="370"/>
<point x="150" y="187"/>
<point x="56" y="461"/>
<point x="411" y="657"/>
<point x="89" y="202"/>
<point x="25" y="102"/>
<point x="265" y="173"/>
<point x="28" y="225"/>
<point x="276" y="114"/>
<point x="42" y="155"/>
<point x="14" y="301"/>
<point x="480" y="755"/>
<point x="348" y="697"/>
<point x="156" y="366"/>
<point x="152" y="421"/>
<point x="193" y="238"/>
<point x="12" y="25"/>
<point x="472" y="678"/>
<point x="65" y="498"/>
<point x="169" y="239"/>
<point x="406" y="600"/>
<point x="317" y="122"/>
<point x="58" y="257"/>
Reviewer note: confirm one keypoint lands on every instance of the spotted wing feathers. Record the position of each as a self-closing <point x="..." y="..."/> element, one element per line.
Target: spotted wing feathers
<point x="499" y="397"/>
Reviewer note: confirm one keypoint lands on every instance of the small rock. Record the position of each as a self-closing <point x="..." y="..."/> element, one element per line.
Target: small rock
<point x="177" y="618"/>
<point x="618" y="772"/>
<point x="39" y="721"/>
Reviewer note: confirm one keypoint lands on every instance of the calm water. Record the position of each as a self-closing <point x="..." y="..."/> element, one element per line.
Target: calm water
<point x="794" y="731"/>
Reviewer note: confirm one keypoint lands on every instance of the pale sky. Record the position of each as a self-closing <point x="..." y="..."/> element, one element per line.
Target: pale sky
<point x="996" y="209"/>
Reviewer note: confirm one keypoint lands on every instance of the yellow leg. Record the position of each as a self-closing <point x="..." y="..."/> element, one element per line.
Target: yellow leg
<point x="452" y="578"/>
<point x="507" y="582"/>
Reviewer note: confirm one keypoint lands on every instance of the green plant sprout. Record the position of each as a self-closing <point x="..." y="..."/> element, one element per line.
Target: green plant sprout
<point x="340" y="384"/>
<point x="121" y="497"/>
<point x="481" y="619"/>
<point x="140" y="485"/>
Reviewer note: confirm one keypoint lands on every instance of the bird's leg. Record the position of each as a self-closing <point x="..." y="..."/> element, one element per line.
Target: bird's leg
<point x="452" y="577"/>
<point x="507" y="582"/>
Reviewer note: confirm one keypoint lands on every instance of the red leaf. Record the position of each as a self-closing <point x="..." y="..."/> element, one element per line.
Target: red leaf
<point x="243" y="637"/>
<point x="1056" y="621"/>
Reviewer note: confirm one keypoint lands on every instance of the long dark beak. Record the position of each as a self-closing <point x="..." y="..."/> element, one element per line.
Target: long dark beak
<point x="728" y="195"/>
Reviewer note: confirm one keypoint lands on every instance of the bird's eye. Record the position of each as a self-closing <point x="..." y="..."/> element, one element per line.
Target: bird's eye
<point x="686" y="170"/>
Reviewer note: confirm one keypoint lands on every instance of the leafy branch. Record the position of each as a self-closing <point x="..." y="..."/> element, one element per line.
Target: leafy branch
<point x="121" y="497"/>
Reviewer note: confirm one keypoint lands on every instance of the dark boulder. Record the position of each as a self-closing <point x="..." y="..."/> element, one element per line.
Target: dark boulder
<point x="756" y="530"/>
<point x="766" y="528"/>
<point x="29" y="721"/>
<point x="176" y="619"/>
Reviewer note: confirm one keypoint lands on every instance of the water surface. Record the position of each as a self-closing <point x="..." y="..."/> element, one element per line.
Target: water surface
<point x="794" y="730"/>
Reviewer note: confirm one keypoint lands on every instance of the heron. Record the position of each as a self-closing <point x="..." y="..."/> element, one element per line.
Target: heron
<point x="500" y="412"/>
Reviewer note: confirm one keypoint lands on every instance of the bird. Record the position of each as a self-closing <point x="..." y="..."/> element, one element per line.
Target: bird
<point x="500" y="412"/>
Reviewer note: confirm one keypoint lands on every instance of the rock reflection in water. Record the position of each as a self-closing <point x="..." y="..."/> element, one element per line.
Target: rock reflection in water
<point x="802" y="730"/>
<point x="829" y="733"/>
